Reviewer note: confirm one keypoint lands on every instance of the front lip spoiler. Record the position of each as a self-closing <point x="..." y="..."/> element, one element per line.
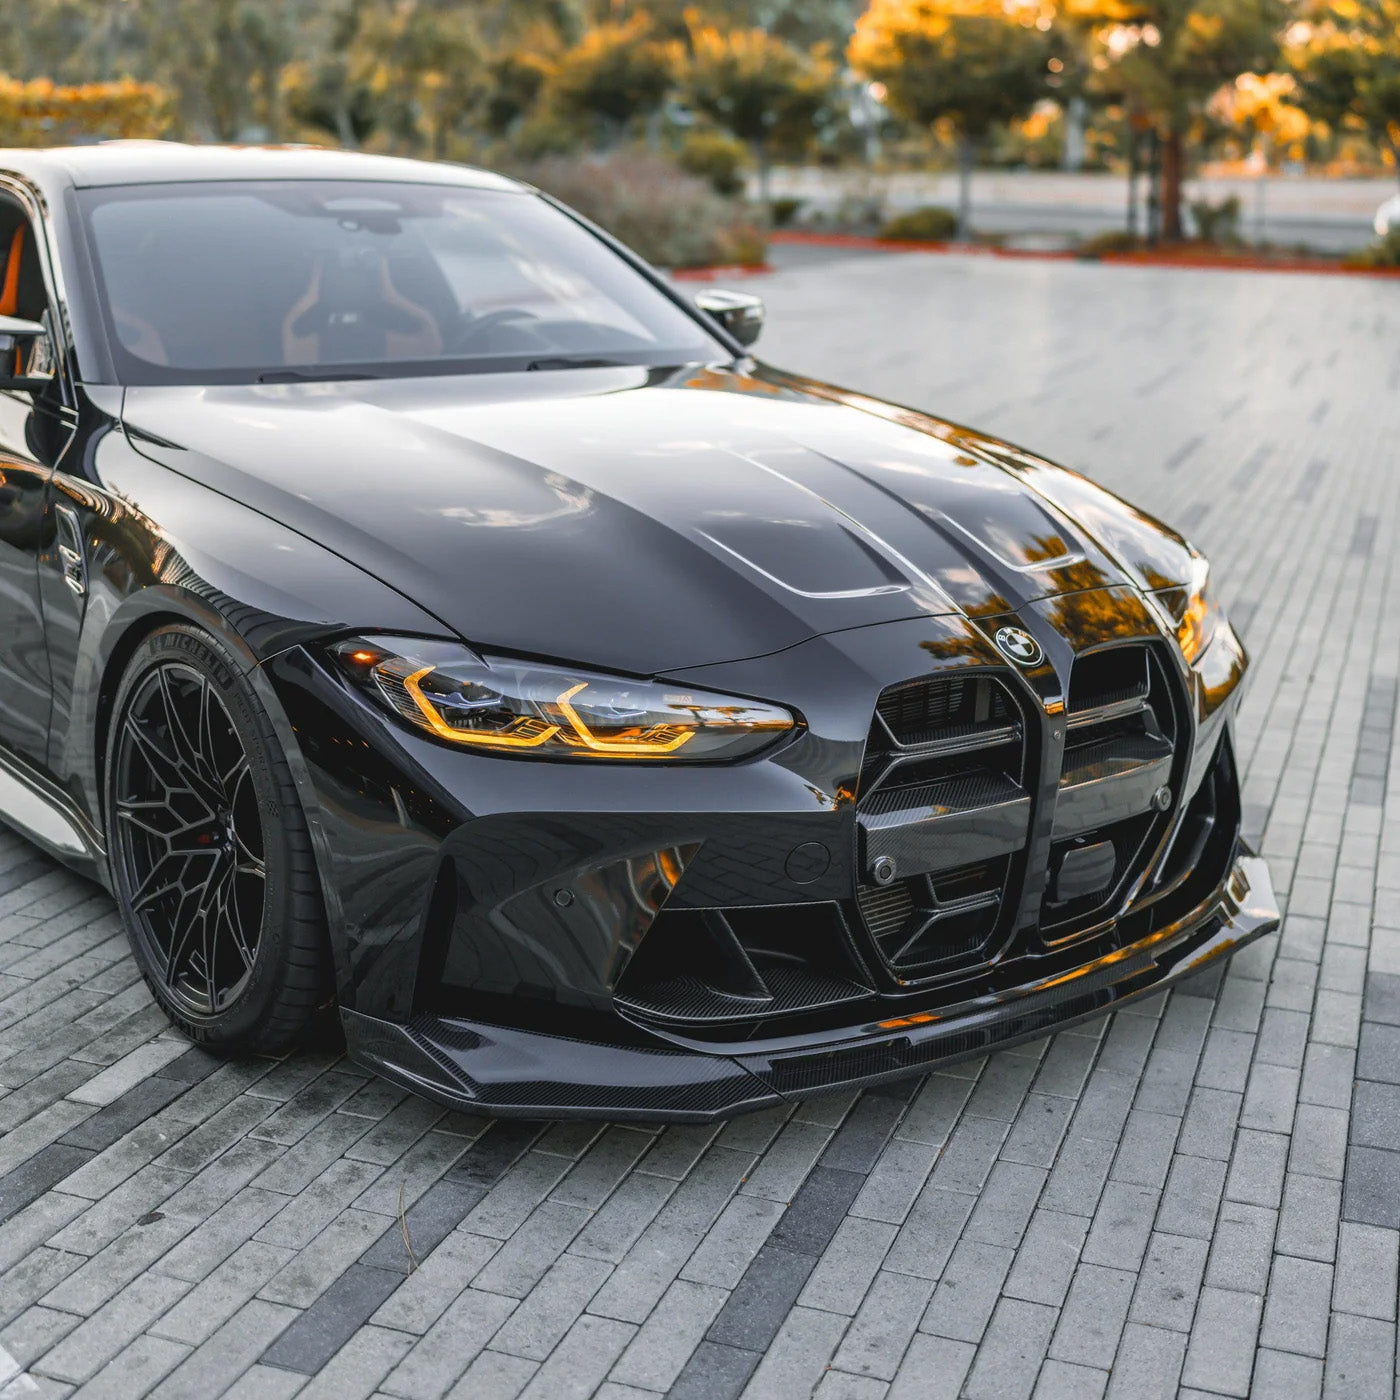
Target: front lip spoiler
<point x="502" y="1071"/>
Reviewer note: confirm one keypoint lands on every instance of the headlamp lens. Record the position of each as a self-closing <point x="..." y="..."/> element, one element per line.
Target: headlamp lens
<point x="528" y="710"/>
<point x="1193" y="612"/>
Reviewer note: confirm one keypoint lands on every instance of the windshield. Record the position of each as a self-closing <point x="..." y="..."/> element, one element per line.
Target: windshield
<point x="240" y="281"/>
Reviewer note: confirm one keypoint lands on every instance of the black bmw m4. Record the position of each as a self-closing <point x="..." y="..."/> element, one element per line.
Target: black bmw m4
<point x="415" y="611"/>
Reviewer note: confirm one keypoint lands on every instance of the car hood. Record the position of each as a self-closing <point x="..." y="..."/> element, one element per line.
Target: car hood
<point x="644" y="520"/>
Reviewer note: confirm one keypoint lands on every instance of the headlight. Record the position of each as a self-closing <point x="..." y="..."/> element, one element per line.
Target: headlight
<point x="1193" y="612"/>
<point x="534" y="711"/>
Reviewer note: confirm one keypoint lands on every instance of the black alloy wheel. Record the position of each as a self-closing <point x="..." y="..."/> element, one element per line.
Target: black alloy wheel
<point x="211" y="860"/>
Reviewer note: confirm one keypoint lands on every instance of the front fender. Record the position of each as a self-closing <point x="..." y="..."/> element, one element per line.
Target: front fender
<point x="162" y="548"/>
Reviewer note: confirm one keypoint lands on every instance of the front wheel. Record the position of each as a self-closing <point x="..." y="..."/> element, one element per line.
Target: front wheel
<point x="211" y="859"/>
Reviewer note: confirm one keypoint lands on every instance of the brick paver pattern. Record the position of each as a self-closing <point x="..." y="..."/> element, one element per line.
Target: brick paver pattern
<point x="1198" y="1196"/>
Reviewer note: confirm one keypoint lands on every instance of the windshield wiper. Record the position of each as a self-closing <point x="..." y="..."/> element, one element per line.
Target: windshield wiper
<point x="573" y="362"/>
<point x="297" y="376"/>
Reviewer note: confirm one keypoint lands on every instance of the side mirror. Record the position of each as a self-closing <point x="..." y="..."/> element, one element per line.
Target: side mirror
<point x="740" y="313"/>
<point x="26" y="357"/>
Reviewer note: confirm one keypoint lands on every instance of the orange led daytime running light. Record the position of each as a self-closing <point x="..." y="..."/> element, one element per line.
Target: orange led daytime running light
<point x="466" y="736"/>
<point x="619" y="746"/>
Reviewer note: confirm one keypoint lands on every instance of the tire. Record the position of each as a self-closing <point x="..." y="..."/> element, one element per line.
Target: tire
<point x="211" y="860"/>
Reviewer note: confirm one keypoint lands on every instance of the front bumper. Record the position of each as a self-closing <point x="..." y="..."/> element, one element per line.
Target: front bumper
<point x="544" y="938"/>
<point x="501" y="1070"/>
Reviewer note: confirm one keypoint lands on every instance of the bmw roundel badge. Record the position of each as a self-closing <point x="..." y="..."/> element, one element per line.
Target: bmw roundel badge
<point x="1019" y="646"/>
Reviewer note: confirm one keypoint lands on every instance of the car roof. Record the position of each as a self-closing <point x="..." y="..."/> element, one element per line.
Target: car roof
<point x="161" y="162"/>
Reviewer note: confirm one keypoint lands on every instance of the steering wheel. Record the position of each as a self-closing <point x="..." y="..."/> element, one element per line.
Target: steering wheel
<point x="474" y="328"/>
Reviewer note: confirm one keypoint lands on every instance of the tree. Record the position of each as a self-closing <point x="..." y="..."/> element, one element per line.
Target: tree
<point x="223" y="58"/>
<point x="804" y="23"/>
<point x="1346" y="56"/>
<point x="764" y="91"/>
<point x="71" y="41"/>
<point x="1168" y="59"/>
<point x="972" y="63"/>
<point x="1263" y="107"/>
<point x="615" y="74"/>
<point x="518" y="77"/>
<point x="350" y="79"/>
<point x="423" y="65"/>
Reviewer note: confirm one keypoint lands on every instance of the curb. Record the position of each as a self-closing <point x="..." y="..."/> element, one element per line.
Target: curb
<point x="714" y="274"/>
<point x="1191" y="261"/>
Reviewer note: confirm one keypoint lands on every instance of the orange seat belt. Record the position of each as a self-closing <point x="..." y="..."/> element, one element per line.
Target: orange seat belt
<point x="9" y="292"/>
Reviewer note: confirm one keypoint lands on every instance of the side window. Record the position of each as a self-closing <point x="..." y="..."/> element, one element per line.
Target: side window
<point x="22" y="291"/>
<point x="22" y="283"/>
<point x="29" y="419"/>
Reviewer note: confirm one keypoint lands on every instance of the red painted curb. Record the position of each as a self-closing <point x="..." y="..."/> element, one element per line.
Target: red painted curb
<point x="712" y="274"/>
<point x="1194" y="261"/>
<point x="1205" y="260"/>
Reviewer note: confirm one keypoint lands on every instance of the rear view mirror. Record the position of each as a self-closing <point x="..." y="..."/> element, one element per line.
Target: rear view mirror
<point x="740" y="313"/>
<point x="26" y="358"/>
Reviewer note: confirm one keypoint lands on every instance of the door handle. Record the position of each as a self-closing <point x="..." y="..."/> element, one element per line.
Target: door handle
<point x="71" y="558"/>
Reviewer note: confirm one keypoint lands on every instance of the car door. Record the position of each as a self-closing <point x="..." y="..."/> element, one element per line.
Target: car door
<point x="33" y="431"/>
<point x="24" y="658"/>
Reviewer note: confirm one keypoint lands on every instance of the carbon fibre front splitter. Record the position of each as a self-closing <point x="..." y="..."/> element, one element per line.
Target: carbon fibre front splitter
<point x="499" y="1070"/>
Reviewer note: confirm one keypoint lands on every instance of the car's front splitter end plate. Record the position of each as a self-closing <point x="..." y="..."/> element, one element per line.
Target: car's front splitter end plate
<point x="501" y="1070"/>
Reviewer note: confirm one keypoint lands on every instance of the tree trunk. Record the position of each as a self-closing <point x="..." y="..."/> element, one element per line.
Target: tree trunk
<point x="1154" y="188"/>
<point x="1133" y="144"/>
<point x="967" y="153"/>
<point x="272" y="99"/>
<point x="760" y="160"/>
<point x="344" y="128"/>
<point x="1172" y="162"/>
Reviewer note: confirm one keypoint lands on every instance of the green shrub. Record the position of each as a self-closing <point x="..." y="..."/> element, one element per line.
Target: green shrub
<point x="784" y="211"/>
<point x="858" y="213"/>
<point x="1384" y="252"/>
<point x="931" y="224"/>
<point x="740" y="244"/>
<point x="1218" y="223"/>
<point x="540" y="136"/>
<point x="672" y="219"/>
<point x="716" y="158"/>
<point x="1114" y="240"/>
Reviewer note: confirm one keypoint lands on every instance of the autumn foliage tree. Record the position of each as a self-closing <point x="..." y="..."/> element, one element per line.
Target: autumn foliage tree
<point x="970" y="63"/>
<point x="761" y="89"/>
<point x="1264" y="105"/>
<point x="423" y="64"/>
<point x="1347" y="58"/>
<point x="616" y="73"/>
<point x="1169" y="58"/>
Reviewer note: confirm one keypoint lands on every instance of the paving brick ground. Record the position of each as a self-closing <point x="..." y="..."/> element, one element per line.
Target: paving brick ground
<point x="1200" y="1196"/>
